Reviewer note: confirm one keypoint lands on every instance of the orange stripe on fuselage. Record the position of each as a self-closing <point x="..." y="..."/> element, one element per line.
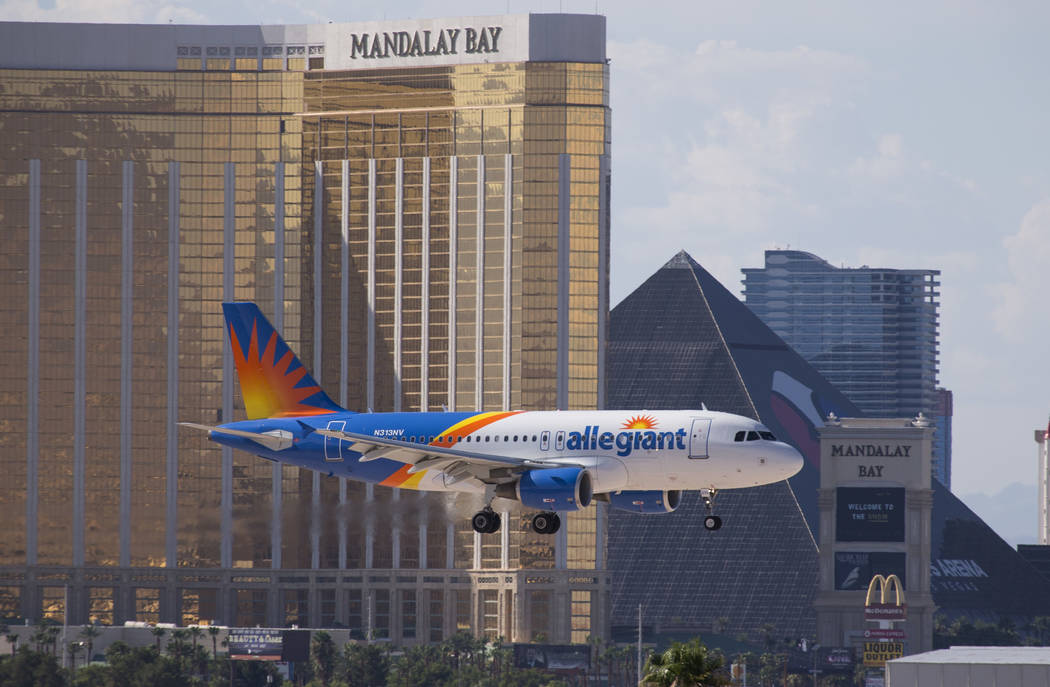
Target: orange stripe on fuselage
<point x="398" y="478"/>
<point x="404" y="480"/>
<point x="473" y="424"/>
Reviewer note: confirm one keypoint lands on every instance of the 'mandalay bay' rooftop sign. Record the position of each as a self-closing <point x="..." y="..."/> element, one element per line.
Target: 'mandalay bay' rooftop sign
<point x="425" y="42"/>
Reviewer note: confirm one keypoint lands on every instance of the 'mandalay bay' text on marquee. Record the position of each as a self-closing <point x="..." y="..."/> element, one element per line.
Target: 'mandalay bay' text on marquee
<point x="425" y="43"/>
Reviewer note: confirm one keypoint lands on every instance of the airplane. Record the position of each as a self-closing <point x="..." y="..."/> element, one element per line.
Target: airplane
<point x="551" y="461"/>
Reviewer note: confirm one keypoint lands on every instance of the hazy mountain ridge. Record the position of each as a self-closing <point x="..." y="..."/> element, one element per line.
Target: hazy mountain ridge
<point x="1011" y="512"/>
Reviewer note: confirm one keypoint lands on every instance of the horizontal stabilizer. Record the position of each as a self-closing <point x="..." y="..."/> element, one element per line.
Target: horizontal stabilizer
<point x="277" y="440"/>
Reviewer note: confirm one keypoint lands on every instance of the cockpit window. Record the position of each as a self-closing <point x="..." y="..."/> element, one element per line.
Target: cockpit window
<point x="740" y="435"/>
<point x="752" y="436"/>
<point x="768" y="436"/>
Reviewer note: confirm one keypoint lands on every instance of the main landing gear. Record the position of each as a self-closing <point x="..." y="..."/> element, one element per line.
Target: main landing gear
<point x="711" y="521"/>
<point x="546" y="523"/>
<point x="485" y="521"/>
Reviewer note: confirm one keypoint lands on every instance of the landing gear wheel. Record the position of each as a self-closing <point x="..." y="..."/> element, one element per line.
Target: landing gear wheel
<point x="485" y="521"/>
<point x="711" y="521"/>
<point x="546" y="523"/>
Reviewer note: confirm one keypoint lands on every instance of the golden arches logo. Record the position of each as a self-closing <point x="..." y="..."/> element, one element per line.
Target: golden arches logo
<point x="885" y="585"/>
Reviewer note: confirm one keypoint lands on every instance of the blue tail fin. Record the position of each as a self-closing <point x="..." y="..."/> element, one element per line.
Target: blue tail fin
<point x="274" y="382"/>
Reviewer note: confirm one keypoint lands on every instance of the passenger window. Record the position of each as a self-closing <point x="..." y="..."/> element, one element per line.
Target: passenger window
<point x="739" y="436"/>
<point x="487" y="437"/>
<point x="752" y="436"/>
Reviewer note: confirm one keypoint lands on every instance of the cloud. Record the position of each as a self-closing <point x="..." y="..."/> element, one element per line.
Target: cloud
<point x="1022" y="300"/>
<point x="887" y="163"/>
<point x="727" y="143"/>
<point x="129" y="11"/>
<point x="893" y="165"/>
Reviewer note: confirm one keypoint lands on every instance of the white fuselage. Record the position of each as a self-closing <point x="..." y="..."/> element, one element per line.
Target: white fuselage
<point x="636" y="450"/>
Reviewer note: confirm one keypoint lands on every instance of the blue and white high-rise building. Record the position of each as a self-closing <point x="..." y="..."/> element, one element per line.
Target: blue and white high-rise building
<point x="871" y="331"/>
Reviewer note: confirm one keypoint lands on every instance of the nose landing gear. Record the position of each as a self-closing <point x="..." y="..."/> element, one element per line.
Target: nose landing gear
<point x="711" y="521"/>
<point x="546" y="523"/>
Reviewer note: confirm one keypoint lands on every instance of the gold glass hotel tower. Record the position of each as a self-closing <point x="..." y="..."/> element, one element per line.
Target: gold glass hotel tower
<point x="420" y="206"/>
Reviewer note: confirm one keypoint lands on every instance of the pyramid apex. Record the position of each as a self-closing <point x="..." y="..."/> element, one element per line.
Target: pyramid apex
<point x="680" y="260"/>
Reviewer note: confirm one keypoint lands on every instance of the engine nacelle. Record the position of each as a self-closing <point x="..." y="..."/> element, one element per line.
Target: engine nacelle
<point x="646" y="501"/>
<point x="557" y="489"/>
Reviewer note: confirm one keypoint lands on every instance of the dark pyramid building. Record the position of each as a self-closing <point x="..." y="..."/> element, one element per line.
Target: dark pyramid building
<point x="681" y="340"/>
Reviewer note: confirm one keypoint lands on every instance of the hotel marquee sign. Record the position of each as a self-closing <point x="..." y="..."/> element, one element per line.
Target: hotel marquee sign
<point x="425" y="43"/>
<point x="870" y="450"/>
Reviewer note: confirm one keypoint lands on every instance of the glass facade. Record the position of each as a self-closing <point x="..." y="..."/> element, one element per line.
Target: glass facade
<point x="871" y="332"/>
<point x="423" y="236"/>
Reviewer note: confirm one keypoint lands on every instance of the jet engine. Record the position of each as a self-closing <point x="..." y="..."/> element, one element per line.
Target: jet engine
<point x="551" y="489"/>
<point x="646" y="501"/>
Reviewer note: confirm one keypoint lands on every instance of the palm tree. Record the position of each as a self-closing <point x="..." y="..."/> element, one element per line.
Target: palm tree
<point x="214" y="632"/>
<point x="12" y="639"/>
<point x="684" y="665"/>
<point x="157" y="633"/>
<point x="195" y="634"/>
<point x="74" y="649"/>
<point x="89" y="633"/>
<point x="322" y="656"/>
<point x="51" y="633"/>
<point x="769" y="639"/>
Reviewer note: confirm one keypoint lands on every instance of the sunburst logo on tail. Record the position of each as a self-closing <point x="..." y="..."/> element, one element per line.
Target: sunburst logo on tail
<point x="269" y="385"/>
<point x="640" y="422"/>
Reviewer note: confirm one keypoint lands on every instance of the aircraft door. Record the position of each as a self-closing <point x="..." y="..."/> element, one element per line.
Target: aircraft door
<point x="698" y="434"/>
<point x="545" y="440"/>
<point x="559" y="441"/>
<point x="333" y="448"/>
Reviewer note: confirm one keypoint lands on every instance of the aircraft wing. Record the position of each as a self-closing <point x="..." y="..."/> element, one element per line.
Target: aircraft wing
<point x="458" y="464"/>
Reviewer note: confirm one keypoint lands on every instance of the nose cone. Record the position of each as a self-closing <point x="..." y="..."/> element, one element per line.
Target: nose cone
<point x="788" y="460"/>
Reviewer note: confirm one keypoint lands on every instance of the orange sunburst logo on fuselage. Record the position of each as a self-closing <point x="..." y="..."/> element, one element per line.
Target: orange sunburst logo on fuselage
<point x="640" y="422"/>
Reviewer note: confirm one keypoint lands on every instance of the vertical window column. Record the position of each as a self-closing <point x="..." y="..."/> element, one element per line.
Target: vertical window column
<point x="228" y="226"/>
<point x="604" y="190"/>
<point x="33" y="374"/>
<point x="79" y="361"/>
<point x="395" y="533"/>
<point x="344" y="335"/>
<point x="344" y="279"/>
<point x="453" y="237"/>
<point x="315" y="492"/>
<point x="424" y="330"/>
<point x="370" y="356"/>
<point x="172" y="463"/>
<point x="564" y="177"/>
<point x="276" y="488"/>
<point x="508" y="208"/>
<point x="126" y="266"/>
<point x="479" y="301"/>
<point x="399" y="236"/>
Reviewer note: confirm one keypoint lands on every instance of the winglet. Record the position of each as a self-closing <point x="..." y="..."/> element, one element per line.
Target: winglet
<point x="274" y="383"/>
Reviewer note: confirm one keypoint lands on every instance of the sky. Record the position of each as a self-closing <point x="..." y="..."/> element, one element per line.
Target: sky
<point x="891" y="134"/>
